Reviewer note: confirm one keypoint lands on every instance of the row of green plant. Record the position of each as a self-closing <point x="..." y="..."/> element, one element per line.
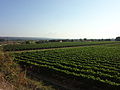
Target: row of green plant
<point x="52" y="45"/>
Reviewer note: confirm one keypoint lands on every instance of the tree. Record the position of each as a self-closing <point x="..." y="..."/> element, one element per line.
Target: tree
<point x="27" y="42"/>
<point x="117" y="39"/>
<point x="1" y="40"/>
<point x="85" y="39"/>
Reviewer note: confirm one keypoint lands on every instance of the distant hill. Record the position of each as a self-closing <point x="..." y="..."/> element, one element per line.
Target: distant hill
<point x="24" y="38"/>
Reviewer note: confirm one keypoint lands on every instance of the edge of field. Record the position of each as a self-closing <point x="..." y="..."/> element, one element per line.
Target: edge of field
<point x="13" y="77"/>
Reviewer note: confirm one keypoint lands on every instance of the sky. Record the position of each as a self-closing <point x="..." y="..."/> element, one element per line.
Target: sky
<point x="69" y="19"/>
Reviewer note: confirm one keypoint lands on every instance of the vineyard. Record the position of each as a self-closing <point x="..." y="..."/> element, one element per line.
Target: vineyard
<point x="94" y="66"/>
<point x="52" y="45"/>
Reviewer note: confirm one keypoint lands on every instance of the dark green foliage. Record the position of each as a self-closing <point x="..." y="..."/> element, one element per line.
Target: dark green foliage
<point x="52" y="45"/>
<point x="117" y="39"/>
<point x="1" y="40"/>
<point x="27" y="42"/>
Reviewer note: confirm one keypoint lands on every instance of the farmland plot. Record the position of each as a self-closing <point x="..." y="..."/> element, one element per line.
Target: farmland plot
<point x="94" y="66"/>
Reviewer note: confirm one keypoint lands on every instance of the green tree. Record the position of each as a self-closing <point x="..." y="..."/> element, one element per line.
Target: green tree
<point x="27" y="42"/>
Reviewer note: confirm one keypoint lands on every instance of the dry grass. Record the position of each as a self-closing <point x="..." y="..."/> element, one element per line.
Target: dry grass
<point x="12" y="77"/>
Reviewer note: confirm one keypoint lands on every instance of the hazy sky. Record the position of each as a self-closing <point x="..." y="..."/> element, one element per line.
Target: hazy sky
<point x="60" y="18"/>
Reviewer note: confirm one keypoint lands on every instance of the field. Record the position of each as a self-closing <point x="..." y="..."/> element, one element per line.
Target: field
<point x="53" y="45"/>
<point x="91" y="67"/>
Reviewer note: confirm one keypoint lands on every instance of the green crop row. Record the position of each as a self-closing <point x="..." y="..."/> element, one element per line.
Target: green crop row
<point x="52" y="45"/>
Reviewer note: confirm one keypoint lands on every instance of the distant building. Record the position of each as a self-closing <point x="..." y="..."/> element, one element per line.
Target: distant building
<point x="60" y="41"/>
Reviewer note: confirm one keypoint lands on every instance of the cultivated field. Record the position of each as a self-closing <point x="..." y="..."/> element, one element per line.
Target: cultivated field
<point x="53" y="45"/>
<point x="88" y="68"/>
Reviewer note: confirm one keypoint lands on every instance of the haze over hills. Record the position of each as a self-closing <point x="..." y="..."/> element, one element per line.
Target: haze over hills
<point x="25" y="38"/>
<point x="44" y="38"/>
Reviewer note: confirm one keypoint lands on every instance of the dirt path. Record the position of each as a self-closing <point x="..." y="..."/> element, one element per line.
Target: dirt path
<point x="58" y="82"/>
